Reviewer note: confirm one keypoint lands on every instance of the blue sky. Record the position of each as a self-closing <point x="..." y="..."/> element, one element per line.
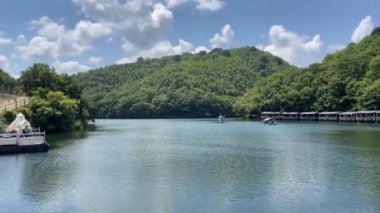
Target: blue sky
<point x="77" y="35"/>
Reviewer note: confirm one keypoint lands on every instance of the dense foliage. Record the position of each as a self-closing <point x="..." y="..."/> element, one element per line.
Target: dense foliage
<point x="188" y="85"/>
<point x="55" y="102"/>
<point x="346" y="80"/>
<point x="7" y="83"/>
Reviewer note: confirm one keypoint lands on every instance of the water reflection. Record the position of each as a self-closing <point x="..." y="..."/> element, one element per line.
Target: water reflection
<point x="199" y="166"/>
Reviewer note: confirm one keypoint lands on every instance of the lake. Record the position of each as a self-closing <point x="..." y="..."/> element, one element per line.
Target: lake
<point x="199" y="165"/>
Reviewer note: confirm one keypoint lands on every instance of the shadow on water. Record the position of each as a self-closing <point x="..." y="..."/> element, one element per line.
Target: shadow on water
<point x="63" y="139"/>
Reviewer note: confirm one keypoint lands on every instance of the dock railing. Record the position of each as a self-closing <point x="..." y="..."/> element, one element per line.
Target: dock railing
<point x="34" y="133"/>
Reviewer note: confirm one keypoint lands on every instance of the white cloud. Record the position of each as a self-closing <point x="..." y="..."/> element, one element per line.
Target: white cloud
<point x="159" y="13"/>
<point x="126" y="60"/>
<point x="162" y="48"/>
<point x="39" y="46"/>
<point x="296" y="49"/>
<point x="129" y="47"/>
<point x="5" y="41"/>
<point x="335" y="47"/>
<point x="47" y="28"/>
<point x="165" y="48"/>
<point x="175" y="3"/>
<point x="95" y="60"/>
<point x="4" y="63"/>
<point x="211" y="5"/>
<point x="21" y="40"/>
<point x="364" y="28"/>
<point x="70" y="67"/>
<point x="222" y="38"/>
<point x="87" y="30"/>
<point x="200" y="49"/>
<point x="53" y="40"/>
<point x="141" y="22"/>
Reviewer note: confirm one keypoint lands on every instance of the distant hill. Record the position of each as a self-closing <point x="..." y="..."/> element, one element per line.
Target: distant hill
<point x="187" y="85"/>
<point x="346" y="80"/>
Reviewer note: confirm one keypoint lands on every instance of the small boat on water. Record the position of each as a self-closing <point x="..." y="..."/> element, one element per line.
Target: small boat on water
<point x="270" y="121"/>
<point x="20" y="137"/>
<point x="221" y="118"/>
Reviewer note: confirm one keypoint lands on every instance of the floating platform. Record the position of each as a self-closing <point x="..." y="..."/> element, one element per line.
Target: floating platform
<point x="23" y="143"/>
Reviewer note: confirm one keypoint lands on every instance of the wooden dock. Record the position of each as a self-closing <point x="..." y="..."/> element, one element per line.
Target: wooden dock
<point x="23" y="143"/>
<point x="358" y="116"/>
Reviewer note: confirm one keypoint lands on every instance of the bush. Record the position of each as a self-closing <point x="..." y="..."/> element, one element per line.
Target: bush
<point x="8" y="116"/>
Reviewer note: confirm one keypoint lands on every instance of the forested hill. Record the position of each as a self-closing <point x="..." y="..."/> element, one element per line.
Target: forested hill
<point x="242" y="82"/>
<point x="346" y="80"/>
<point x="188" y="85"/>
<point x="7" y="83"/>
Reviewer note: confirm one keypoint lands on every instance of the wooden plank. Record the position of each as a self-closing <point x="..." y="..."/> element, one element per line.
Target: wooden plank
<point x="22" y="141"/>
<point x="8" y="141"/>
<point x="27" y="141"/>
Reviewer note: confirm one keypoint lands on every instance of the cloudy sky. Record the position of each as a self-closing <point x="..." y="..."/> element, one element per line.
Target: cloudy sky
<point x="77" y="35"/>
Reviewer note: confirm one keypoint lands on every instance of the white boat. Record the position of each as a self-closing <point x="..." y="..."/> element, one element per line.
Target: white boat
<point x="270" y="121"/>
<point x="221" y="119"/>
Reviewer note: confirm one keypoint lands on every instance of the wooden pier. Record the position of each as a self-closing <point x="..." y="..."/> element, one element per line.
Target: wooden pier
<point x="290" y="116"/>
<point x="13" y="143"/>
<point x="347" y="117"/>
<point x="309" y="116"/>
<point x="328" y="116"/>
<point x="359" y="116"/>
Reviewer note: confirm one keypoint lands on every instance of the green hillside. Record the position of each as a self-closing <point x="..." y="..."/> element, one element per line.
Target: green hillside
<point x="188" y="85"/>
<point x="346" y="80"/>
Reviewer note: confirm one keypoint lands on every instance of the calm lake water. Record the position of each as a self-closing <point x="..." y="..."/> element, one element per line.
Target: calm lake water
<point x="199" y="166"/>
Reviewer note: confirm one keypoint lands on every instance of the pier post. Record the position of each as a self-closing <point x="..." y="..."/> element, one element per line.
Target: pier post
<point x="17" y="137"/>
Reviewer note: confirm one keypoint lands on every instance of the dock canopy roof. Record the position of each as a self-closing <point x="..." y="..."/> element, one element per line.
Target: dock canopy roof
<point x="270" y="113"/>
<point x="290" y="113"/>
<point x="19" y="124"/>
<point x="328" y="113"/>
<point x="367" y="112"/>
<point x="308" y="113"/>
<point x="348" y="113"/>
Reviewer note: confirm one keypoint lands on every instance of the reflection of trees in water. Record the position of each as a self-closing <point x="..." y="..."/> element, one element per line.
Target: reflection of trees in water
<point x="65" y="139"/>
<point x="48" y="178"/>
<point x="48" y="175"/>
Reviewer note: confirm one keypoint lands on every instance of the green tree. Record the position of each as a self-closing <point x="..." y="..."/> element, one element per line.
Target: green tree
<point x="370" y="99"/>
<point x="53" y="111"/>
<point x="38" y="76"/>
